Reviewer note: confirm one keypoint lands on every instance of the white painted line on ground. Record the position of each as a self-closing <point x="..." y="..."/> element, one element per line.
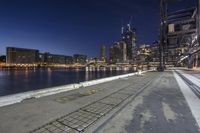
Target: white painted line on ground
<point x="16" y="98"/>
<point x="193" y="79"/>
<point x="192" y="100"/>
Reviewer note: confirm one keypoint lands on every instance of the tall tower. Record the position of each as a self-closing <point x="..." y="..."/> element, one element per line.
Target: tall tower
<point x="124" y="51"/>
<point x="103" y="53"/>
<point x="129" y="37"/>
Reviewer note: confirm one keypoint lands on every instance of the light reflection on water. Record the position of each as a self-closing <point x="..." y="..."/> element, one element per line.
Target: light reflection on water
<point x="16" y="81"/>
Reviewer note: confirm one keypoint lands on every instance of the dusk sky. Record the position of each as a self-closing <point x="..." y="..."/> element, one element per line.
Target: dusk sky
<point x="76" y="26"/>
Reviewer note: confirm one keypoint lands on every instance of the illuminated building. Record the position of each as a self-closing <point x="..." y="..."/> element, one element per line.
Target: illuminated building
<point x="144" y="54"/>
<point x="21" y="56"/>
<point x="3" y="58"/>
<point x="118" y="52"/>
<point x="102" y="53"/>
<point x="50" y="59"/>
<point x="129" y="37"/>
<point x="80" y="59"/>
<point x="124" y="51"/>
<point x="181" y="31"/>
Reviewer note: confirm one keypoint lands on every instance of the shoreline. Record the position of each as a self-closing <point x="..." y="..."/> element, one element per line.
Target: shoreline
<point x="17" y="98"/>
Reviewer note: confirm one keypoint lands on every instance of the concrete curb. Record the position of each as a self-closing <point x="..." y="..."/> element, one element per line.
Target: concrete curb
<point x="17" y="98"/>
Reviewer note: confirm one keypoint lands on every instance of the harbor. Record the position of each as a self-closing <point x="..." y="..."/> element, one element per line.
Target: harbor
<point x="22" y="80"/>
<point x="103" y="66"/>
<point x="160" y="99"/>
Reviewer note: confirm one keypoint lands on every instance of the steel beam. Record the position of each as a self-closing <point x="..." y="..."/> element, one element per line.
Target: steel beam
<point x="198" y="21"/>
<point x="163" y="16"/>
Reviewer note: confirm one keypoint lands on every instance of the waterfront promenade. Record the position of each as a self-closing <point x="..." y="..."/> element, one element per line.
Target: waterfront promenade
<point x="153" y="102"/>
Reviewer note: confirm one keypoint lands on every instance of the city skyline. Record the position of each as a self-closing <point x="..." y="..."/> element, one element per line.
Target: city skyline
<point x="75" y="27"/>
<point x="106" y="66"/>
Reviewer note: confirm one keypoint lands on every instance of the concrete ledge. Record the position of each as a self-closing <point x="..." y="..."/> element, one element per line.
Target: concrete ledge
<point x="16" y="98"/>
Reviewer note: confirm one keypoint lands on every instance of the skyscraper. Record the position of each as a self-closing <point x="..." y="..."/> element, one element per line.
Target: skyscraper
<point x="118" y="52"/>
<point x="129" y="37"/>
<point x="103" y="53"/>
<point x="124" y="51"/>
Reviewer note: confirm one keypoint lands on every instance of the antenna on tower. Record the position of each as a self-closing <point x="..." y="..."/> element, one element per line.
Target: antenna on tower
<point x="122" y="27"/>
<point x="129" y="24"/>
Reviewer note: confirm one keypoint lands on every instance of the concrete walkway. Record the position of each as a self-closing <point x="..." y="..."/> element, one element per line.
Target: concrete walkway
<point x="160" y="107"/>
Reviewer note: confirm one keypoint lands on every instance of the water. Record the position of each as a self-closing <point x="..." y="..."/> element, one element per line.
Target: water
<point x="16" y="81"/>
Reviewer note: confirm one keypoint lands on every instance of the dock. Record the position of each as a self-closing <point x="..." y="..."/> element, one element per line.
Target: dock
<point x="151" y="102"/>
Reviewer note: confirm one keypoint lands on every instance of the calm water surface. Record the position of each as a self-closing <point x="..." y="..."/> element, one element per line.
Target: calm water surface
<point x="16" y="81"/>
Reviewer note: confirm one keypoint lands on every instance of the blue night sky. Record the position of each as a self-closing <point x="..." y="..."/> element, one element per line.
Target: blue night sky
<point x="76" y="26"/>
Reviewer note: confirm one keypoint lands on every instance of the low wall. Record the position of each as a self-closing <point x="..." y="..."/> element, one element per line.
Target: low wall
<point x="16" y="98"/>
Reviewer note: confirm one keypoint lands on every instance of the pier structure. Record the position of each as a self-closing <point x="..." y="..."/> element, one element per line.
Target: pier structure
<point x="145" y="101"/>
<point x="179" y="36"/>
<point x="140" y="102"/>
